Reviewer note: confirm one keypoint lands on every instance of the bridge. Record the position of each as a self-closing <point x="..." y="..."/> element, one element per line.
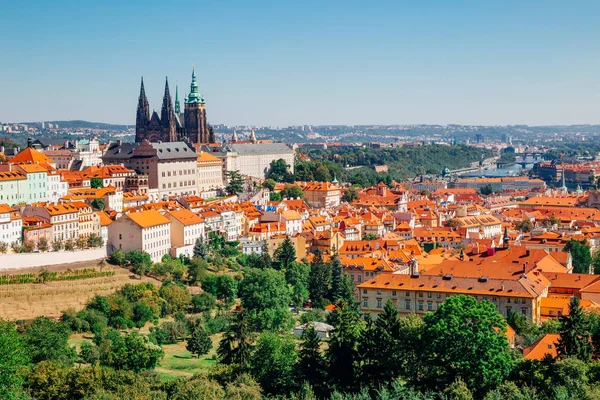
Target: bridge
<point x="522" y="159"/>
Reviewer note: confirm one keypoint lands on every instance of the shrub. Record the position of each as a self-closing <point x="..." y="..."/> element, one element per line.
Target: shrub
<point x="203" y="302"/>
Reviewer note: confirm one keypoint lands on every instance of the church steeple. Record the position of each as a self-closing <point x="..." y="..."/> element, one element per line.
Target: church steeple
<point x="143" y="114"/>
<point x="177" y="106"/>
<point x="167" y="114"/>
<point x="234" y="137"/>
<point x="194" y="96"/>
<point x="252" y="136"/>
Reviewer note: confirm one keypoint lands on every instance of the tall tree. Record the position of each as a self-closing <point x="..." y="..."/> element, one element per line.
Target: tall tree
<point x="318" y="280"/>
<point x="380" y="348"/>
<point x="235" y="182"/>
<point x="264" y="288"/>
<point x="199" y="343"/>
<point x="574" y="340"/>
<point x="465" y="338"/>
<point x="311" y="366"/>
<point x="13" y="358"/>
<point x="582" y="258"/>
<point x="285" y="253"/>
<point x="342" y="354"/>
<point x="48" y="340"/>
<point x="235" y="347"/>
<point x="200" y="249"/>
<point x="337" y="273"/>
<point x="273" y="363"/>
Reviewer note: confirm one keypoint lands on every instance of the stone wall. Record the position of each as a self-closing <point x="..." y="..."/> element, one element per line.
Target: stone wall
<point x="30" y="260"/>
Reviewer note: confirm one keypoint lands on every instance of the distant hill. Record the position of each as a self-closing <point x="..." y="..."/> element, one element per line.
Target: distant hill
<point x="78" y="124"/>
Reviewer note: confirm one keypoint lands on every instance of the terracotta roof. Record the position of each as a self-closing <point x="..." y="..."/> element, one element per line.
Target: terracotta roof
<point x="148" y="218"/>
<point x="30" y="156"/>
<point x="186" y="217"/>
<point x="539" y="349"/>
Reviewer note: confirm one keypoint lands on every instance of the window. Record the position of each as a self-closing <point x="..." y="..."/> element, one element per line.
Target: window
<point x="420" y="294"/>
<point x="439" y="296"/>
<point x="524" y="311"/>
<point x="378" y="303"/>
<point x="365" y="303"/>
<point x="508" y="300"/>
<point x="378" y="291"/>
<point x="393" y="292"/>
<point x="407" y="294"/>
<point x="429" y="306"/>
<point x="364" y="291"/>
<point x="494" y="299"/>
<point x="429" y="295"/>
<point x="420" y="306"/>
<point x="407" y="305"/>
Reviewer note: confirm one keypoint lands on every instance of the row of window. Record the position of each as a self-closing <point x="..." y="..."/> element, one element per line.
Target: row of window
<point x="181" y="172"/>
<point x="181" y="184"/>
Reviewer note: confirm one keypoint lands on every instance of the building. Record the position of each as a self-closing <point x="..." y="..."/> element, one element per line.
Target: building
<point x="322" y="194"/>
<point x="254" y="159"/>
<point x="64" y="219"/>
<point x="170" y="126"/>
<point x="479" y="226"/>
<point x="414" y="293"/>
<point x="13" y="187"/>
<point x="186" y="227"/>
<point x="37" y="181"/>
<point x="147" y="231"/>
<point x="171" y="167"/>
<point x="35" y="229"/>
<point x="210" y="174"/>
<point x="11" y="225"/>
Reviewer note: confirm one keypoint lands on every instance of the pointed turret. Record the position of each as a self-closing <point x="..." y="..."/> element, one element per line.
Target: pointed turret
<point x="234" y="137"/>
<point x="143" y="114"/>
<point x="252" y="136"/>
<point x="167" y="115"/>
<point x="177" y="106"/>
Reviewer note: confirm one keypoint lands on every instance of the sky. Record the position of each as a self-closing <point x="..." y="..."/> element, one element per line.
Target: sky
<point x="279" y="63"/>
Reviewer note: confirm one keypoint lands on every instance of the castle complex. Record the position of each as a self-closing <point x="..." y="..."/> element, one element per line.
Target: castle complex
<point x="172" y="126"/>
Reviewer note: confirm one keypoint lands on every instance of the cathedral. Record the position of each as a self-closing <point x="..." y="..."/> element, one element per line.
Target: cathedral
<point x="173" y="126"/>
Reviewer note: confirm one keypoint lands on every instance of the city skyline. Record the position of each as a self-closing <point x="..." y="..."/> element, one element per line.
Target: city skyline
<point x="285" y="64"/>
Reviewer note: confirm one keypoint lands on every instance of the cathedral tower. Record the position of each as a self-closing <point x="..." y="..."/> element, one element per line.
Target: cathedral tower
<point x="143" y="115"/>
<point x="167" y="116"/>
<point x="195" y="122"/>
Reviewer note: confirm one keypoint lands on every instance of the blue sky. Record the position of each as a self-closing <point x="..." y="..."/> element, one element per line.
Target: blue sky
<point x="305" y="62"/>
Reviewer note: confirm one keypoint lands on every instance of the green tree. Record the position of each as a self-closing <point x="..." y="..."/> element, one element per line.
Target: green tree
<point x="199" y="343"/>
<point x="274" y="196"/>
<point x="465" y="338"/>
<point x="273" y="362"/>
<point x="337" y="273"/>
<point x="94" y="241"/>
<point x="292" y="192"/>
<point x="203" y="302"/>
<point x="311" y="366"/>
<point x="98" y="204"/>
<point x="280" y="171"/>
<point x="13" y="358"/>
<point x="452" y="223"/>
<point x="574" y="331"/>
<point x="486" y="190"/>
<point x="369" y="236"/>
<point x="200" y="249"/>
<point x="409" y="347"/>
<point x="48" y="340"/>
<point x="235" y="347"/>
<point x="318" y="280"/>
<point x="118" y="257"/>
<point x="350" y="194"/>
<point x="177" y="297"/>
<point x="285" y="253"/>
<point x="269" y="184"/>
<point x="42" y="244"/>
<point x="322" y="173"/>
<point x="525" y="225"/>
<point x="582" y="258"/>
<point x="342" y="353"/>
<point x="140" y="262"/>
<point x="235" y="182"/>
<point x="264" y="288"/>
<point x="96" y="183"/>
<point x="380" y="347"/>
<point x="197" y="388"/>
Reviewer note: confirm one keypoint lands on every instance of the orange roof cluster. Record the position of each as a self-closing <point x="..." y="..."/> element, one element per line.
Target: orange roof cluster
<point x="11" y="176"/>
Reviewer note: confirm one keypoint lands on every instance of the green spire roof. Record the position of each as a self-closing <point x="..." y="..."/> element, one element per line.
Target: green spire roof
<point x="194" y="96"/>
<point x="177" y="106"/>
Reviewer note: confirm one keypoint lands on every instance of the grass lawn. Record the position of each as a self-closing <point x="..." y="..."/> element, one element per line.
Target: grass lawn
<point x="179" y="362"/>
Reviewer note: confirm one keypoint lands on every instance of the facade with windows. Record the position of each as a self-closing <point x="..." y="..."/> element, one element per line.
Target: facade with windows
<point x="424" y="293"/>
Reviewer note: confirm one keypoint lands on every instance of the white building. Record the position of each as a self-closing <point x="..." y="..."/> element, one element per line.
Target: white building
<point x="210" y="174"/>
<point x="147" y="231"/>
<point x="57" y="187"/>
<point x="254" y="159"/>
<point x="11" y="225"/>
<point x="231" y="224"/>
<point x="186" y="227"/>
<point x="63" y="217"/>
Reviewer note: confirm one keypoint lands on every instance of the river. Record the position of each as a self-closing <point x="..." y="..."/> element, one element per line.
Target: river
<point x="493" y="172"/>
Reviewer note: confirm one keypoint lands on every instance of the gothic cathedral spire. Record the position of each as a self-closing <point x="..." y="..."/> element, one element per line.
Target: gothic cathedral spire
<point x="167" y="116"/>
<point x="177" y="106"/>
<point x="143" y="113"/>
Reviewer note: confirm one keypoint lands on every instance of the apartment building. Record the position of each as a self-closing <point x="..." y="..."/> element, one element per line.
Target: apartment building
<point x="11" y="224"/>
<point x="186" y="227"/>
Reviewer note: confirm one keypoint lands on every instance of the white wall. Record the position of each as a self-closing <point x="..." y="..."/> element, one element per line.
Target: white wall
<point x="30" y="260"/>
